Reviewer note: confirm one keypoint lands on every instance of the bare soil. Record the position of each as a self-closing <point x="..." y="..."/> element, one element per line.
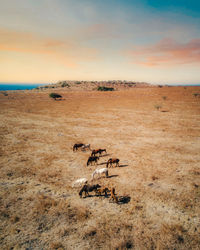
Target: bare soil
<point x="155" y="132"/>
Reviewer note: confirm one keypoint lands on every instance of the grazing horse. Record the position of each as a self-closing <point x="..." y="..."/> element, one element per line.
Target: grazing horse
<point x="85" y="146"/>
<point x="102" y="190"/>
<point x="111" y="161"/>
<point x="88" y="188"/>
<point x="113" y="195"/>
<point x="92" y="159"/>
<point x="98" y="151"/>
<point x="77" y="145"/>
<point x="100" y="171"/>
<point x="80" y="182"/>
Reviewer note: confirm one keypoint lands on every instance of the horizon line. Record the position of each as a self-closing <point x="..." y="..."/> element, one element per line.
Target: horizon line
<point x="47" y="83"/>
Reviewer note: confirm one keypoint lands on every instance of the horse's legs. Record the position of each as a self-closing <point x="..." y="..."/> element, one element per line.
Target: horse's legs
<point x="86" y="192"/>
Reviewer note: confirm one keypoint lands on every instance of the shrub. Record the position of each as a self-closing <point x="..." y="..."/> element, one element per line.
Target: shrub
<point x="158" y="107"/>
<point x="196" y="95"/>
<point x="54" y="96"/>
<point x="5" y="94"/>
<point x="78" y="82"/>
<point x="103" y="88"/>
<point x="164" y="97"/>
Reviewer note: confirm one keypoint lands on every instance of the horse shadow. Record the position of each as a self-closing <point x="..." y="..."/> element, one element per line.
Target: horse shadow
<point x="124" y="199"/>
<point x="104" y="155"/>
<point x="111" y="176"/>
<point x="103" y="163"/>
<point x="89" y="196"/>
<point x="121" y="166"/>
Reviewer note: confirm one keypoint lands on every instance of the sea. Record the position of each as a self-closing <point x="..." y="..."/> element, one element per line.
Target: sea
<point x="19" y="86"/>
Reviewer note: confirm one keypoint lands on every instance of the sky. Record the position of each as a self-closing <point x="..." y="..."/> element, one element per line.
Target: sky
<point x="45" y="41"/>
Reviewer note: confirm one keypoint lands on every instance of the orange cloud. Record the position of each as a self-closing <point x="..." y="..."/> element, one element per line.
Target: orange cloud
<point x="167" y="52"/>
<point x="68" y="53"/>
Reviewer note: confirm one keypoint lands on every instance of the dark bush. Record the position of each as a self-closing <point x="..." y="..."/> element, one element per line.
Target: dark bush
<point x="103" y="88"/>
<point x="78" y="82"/>
<point x="54" y="96"/>
<point x="4" y="93"/>
<point x="196" y="95"/>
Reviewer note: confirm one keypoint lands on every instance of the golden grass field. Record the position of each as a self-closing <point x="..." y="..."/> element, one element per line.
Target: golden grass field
<point x="155" y="132"/>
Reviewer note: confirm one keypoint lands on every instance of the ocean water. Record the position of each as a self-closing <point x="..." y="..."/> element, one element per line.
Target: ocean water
<point x="18" y="86"/>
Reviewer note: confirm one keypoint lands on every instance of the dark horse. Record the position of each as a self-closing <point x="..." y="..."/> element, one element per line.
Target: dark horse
<point x="111" y="161"/>
<point x="88" y="188"/>
<point x="98" y="151"/>
<point x="77" y="145"/>
<point x="92" y="159"/>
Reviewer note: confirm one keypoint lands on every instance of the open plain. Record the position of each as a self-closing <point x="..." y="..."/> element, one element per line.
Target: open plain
<point x="154" y="131"/>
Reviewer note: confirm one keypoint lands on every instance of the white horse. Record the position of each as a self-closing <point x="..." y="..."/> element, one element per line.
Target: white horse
<point x="100" y="171"/>
<point x="85" y="146"/>
<point x="80" y="182"/>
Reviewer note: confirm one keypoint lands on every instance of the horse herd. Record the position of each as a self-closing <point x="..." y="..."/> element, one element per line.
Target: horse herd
<point x="93" y="158"/>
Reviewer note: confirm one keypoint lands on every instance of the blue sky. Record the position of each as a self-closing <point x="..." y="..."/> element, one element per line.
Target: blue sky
<point x="51" y="40"/>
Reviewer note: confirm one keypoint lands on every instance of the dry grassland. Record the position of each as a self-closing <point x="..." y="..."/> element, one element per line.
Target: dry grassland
<point x="155" y="132"/>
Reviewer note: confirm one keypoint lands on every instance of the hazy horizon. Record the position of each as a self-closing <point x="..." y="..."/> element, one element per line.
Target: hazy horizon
<point x="46" y="83"/>
<point x="155" y="41"/>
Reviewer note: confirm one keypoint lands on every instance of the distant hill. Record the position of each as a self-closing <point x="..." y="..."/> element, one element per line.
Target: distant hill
<point x="94" y="85"/>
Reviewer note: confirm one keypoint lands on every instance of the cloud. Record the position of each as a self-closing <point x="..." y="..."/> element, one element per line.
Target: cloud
<point x="67" y="52"/>
<point x="166" y="52"/>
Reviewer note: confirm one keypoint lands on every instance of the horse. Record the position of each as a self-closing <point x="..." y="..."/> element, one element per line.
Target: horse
<point x="88" y="188"/>
<point x="79" y="182"/>
<point x="77" y="145"/>
<point x="102" y="190"/>
<point x="113" y="195"/>
<point x="98" y="151"/>
<point x="111" y="161"/>
<point x="100" y="171"/>
<point x="85" y="146"/>
<point x="92" y="159"/>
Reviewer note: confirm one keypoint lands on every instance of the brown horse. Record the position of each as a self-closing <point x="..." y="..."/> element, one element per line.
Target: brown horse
<point x="97" y="151"/>
<point x="92" y="159"/>
<point x="113" y="195"/>
<point x="102" y="190"/>
<point x="111" y="161"/>
<point x="88" y="188"/>
<point x="77" y="145"/>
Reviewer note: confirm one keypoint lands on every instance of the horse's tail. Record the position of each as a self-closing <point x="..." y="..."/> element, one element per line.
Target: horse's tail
<point x="107" y="173"/>
<point x="74" y="147"/>
<point x="88" y="162"/>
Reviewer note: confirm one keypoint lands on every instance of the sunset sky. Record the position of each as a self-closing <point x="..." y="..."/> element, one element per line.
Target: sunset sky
<point x="49" y="40"/>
